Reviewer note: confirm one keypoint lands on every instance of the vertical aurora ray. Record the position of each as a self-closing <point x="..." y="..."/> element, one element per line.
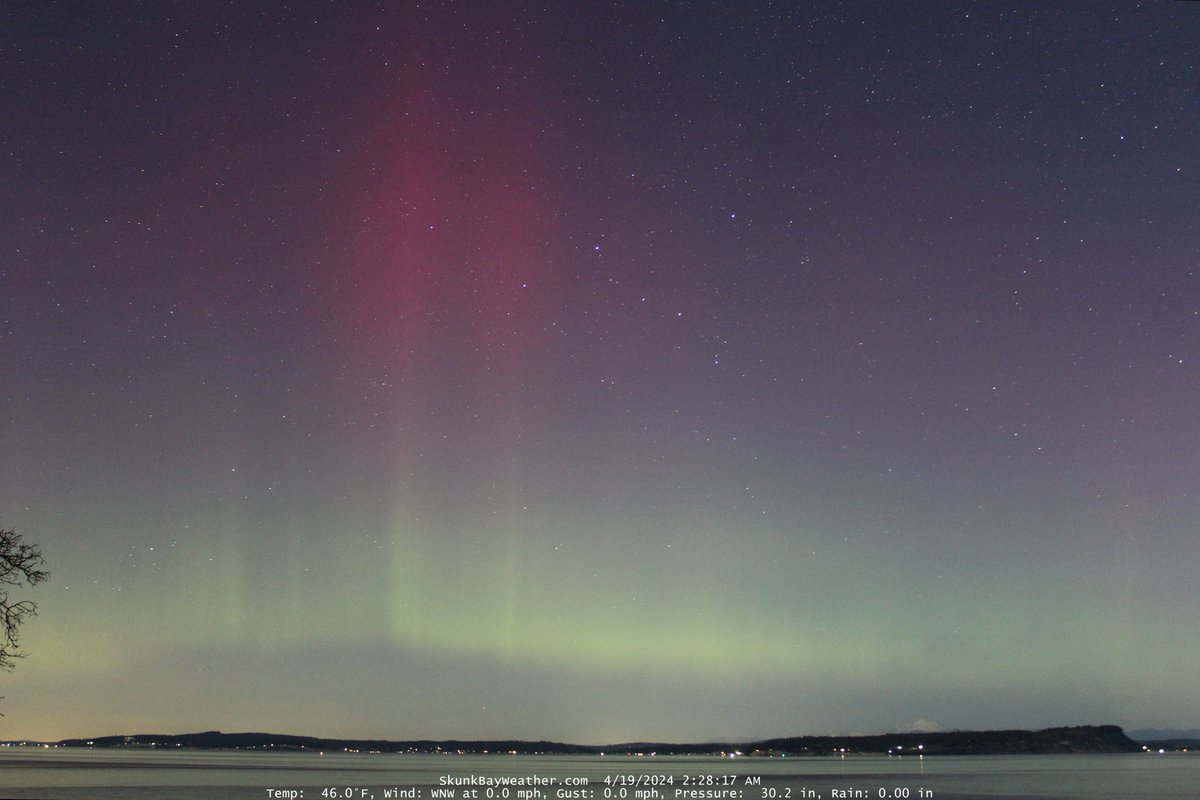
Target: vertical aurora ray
<point x="443" y="304"/>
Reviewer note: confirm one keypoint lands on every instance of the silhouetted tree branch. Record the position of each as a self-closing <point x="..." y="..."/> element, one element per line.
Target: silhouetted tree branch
<point x="20" y="564"/>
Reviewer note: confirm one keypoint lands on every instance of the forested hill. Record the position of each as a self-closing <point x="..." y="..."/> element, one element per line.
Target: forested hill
<point x="1082" y="739"/>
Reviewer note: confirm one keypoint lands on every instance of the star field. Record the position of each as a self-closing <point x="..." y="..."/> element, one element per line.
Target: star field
<point x="607" y="373"/>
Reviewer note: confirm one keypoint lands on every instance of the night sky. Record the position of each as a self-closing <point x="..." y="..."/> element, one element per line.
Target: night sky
<point x="601" y="371"/>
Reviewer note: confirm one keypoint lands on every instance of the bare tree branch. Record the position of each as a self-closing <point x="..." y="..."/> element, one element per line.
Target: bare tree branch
<point x="20" y="564"/>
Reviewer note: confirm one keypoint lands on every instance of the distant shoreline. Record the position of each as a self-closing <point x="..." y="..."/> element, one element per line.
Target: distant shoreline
<point x="1076" y="739"/>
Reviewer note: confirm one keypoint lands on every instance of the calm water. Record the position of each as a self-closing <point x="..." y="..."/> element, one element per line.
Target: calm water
<point x="158" y="775"/>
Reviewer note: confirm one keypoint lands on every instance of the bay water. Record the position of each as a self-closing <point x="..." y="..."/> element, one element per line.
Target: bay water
<point x="152" y="774"/>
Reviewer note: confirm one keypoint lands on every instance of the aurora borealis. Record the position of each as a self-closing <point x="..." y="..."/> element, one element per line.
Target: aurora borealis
<point x="601" y="372"/>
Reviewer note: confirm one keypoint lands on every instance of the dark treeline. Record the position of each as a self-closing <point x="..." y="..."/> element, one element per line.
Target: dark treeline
<point x="1080" y="739"/>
